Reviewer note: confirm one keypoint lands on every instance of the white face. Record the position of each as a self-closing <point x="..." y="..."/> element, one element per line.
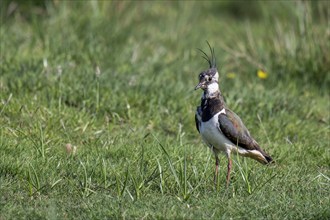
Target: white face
<point x="213" y="87"/>
<point x="206" y="81"/>
<point x="216" y="76"/>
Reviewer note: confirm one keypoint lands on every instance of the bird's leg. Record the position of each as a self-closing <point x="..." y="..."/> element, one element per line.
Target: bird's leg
<point x="228" y="171"/>
<point x="216" y="169"/>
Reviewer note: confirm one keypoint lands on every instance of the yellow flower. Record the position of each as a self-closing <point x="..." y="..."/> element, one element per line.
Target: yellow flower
<point x="262" y="74"/>
<point x="231" y="75"/>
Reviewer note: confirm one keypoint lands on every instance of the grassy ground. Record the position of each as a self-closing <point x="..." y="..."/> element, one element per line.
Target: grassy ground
<point x="97" y="109"/>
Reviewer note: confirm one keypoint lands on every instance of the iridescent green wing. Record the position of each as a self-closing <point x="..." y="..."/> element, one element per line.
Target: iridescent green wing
<point x="234" y="129"/>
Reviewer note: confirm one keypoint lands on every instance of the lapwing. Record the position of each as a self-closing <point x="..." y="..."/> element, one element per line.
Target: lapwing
<point x="220" y="128"/>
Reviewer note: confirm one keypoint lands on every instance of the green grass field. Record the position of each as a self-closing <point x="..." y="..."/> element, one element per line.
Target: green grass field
<point x="97" y="109"/>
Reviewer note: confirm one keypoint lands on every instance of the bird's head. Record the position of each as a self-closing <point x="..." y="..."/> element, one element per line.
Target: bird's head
<point x="208" y="79"/>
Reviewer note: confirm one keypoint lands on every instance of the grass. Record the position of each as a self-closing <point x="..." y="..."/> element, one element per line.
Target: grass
<point x="97" y="109"/>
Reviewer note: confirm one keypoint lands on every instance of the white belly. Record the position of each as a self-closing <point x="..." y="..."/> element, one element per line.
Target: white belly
<point x="213" y="137"/>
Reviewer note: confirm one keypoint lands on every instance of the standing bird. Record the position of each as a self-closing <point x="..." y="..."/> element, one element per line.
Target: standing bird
<point x="221" y="129"/>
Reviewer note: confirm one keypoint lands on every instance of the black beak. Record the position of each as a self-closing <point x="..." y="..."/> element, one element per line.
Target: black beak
<point x="199" y="85"/>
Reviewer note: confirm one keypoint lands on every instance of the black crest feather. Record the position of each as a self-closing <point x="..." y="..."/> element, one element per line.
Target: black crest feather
<point x="211" y="60"/>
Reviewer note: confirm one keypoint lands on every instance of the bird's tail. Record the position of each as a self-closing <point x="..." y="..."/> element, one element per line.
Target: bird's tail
<point x="259" y="156"/>
<point x="256" y="154"/>
<point x="262" y="156"/>
<point x="268" y="158"/>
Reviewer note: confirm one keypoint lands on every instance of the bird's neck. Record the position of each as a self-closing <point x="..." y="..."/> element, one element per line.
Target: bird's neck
<point x="212" y="95"/>
<point x="211" y="104"/>
<point x="213" y="87"/>
<point x="212" y="91"/>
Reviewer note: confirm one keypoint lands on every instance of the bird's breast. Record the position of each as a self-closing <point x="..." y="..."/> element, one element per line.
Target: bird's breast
<point x="212" y="134"/>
